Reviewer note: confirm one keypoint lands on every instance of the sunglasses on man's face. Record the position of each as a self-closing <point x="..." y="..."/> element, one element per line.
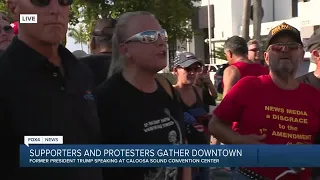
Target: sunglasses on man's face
<point x="284" y="47"/>
<point x="254" y="50"/>
<point x="149" y="36"/>
<point x="7" y="29"/>
<point x="43" y="3"/>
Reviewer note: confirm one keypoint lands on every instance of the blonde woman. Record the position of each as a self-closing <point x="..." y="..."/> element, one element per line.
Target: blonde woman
<point x="134" y="107"/>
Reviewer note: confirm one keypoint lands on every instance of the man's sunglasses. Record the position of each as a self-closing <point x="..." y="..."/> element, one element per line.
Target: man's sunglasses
<point x="43" y="3"/>
<point x="149" y="36"/>
<point x="284" y="47"/>
<point x="7" y="29"/>
<point x="254" y="50"/>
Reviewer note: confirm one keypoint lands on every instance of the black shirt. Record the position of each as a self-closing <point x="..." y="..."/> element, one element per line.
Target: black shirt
<point x="195" y="134"/>
<point x="35" y="99"/>
<point x="130" y="116"/>
<point x="310" y="79"/>
<point x="99" y="65"/>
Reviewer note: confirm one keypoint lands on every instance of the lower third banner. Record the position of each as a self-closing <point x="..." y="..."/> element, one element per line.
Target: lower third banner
<point x="169" y="156"/>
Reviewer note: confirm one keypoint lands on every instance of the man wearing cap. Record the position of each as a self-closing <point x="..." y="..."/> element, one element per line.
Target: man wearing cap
<point x="101" y="48"/>
<point x="313" y="78"/>
<point x="259" y="105"/>
<point x="236" y="51"/>
<point x="187" y="67"/>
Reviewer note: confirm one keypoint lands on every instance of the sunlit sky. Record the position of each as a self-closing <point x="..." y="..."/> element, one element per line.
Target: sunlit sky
<point x="73" y="47"/>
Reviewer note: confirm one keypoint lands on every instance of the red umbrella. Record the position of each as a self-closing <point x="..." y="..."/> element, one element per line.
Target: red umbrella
<point x="15" y="25"/>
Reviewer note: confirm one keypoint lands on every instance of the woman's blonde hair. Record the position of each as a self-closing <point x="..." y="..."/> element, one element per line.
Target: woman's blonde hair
<point x="119" y="34"/>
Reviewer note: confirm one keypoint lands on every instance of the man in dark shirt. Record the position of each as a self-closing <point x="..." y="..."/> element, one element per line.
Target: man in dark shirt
<point x="45" y="91"/>
<point x="313" y="46"/>
<point x="101" y="48"/>
<point x="313" y="78"/>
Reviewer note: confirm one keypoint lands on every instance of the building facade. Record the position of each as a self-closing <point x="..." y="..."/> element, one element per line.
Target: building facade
<point x="227" y="20"/>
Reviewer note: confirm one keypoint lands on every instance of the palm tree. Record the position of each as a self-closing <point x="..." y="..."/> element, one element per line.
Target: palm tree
<point x="257" y="18"/>
<point x="79" y="35"/>
<point x="246" y="19"/>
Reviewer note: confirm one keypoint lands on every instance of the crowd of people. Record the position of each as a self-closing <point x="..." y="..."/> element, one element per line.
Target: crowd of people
<point x="116" y="96"/>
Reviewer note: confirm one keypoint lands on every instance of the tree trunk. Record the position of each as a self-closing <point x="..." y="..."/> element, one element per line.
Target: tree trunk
<point x="246" y="19"/>
<point x="257" y="18"/>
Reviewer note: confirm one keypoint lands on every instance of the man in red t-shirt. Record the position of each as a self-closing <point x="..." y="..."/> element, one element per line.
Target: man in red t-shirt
<point x="236" y="50"/>
<point x="271" y="109"/>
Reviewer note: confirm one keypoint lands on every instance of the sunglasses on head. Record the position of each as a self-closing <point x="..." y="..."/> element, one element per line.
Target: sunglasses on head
<point x="149" y="36"/>
<point x="284" y="47"/>
<point x="7" y="29"/>
<point x="43" y="3"/>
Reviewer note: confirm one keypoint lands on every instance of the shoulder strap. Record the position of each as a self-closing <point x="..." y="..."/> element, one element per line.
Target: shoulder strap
<point x="165" y="84"/>
<point x="197" y="94"/>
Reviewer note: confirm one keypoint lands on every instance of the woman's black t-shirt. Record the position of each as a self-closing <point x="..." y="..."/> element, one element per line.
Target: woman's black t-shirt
<point x="130" y="116"/>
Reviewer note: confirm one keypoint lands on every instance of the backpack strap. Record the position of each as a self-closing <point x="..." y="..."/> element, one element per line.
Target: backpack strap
<point x="165" y="84"/>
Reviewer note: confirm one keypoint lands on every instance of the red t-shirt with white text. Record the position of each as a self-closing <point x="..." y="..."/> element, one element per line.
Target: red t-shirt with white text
<point x="285" y="116"/>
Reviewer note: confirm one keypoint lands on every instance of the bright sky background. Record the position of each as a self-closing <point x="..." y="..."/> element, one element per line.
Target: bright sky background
<point x="73" y="47"/>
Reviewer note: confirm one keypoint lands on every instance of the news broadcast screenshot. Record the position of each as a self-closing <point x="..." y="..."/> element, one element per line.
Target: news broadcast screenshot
<point x="159" y="90"/>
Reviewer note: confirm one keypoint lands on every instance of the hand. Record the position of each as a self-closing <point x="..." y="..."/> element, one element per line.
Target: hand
<point x="250" y="139"/>
<point x="206" y="79"/>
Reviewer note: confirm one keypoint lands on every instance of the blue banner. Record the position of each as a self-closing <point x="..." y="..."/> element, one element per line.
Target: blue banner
<point x="170" y="156"/>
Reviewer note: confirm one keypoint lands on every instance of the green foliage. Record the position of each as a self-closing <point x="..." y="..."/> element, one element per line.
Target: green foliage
<point x="172" y="14"/>
<point x="219" y="53"/>
<point x="4" y="9"/>
<point x="78" y="34"/>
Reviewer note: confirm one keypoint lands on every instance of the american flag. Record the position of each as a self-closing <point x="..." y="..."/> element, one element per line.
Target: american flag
<point x="189" y="119"/>
<point x="196" y="112"/>
<point x="198" y="127"/>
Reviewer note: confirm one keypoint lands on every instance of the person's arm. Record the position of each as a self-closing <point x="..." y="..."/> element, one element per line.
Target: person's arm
<point x="212" y="90"/>
<point x="235" y="100"/>
<point x="222" y="131"/>
<point x="231" y="76"/>
<point x="204" y="80"/>
<point x="200" y="92"/>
